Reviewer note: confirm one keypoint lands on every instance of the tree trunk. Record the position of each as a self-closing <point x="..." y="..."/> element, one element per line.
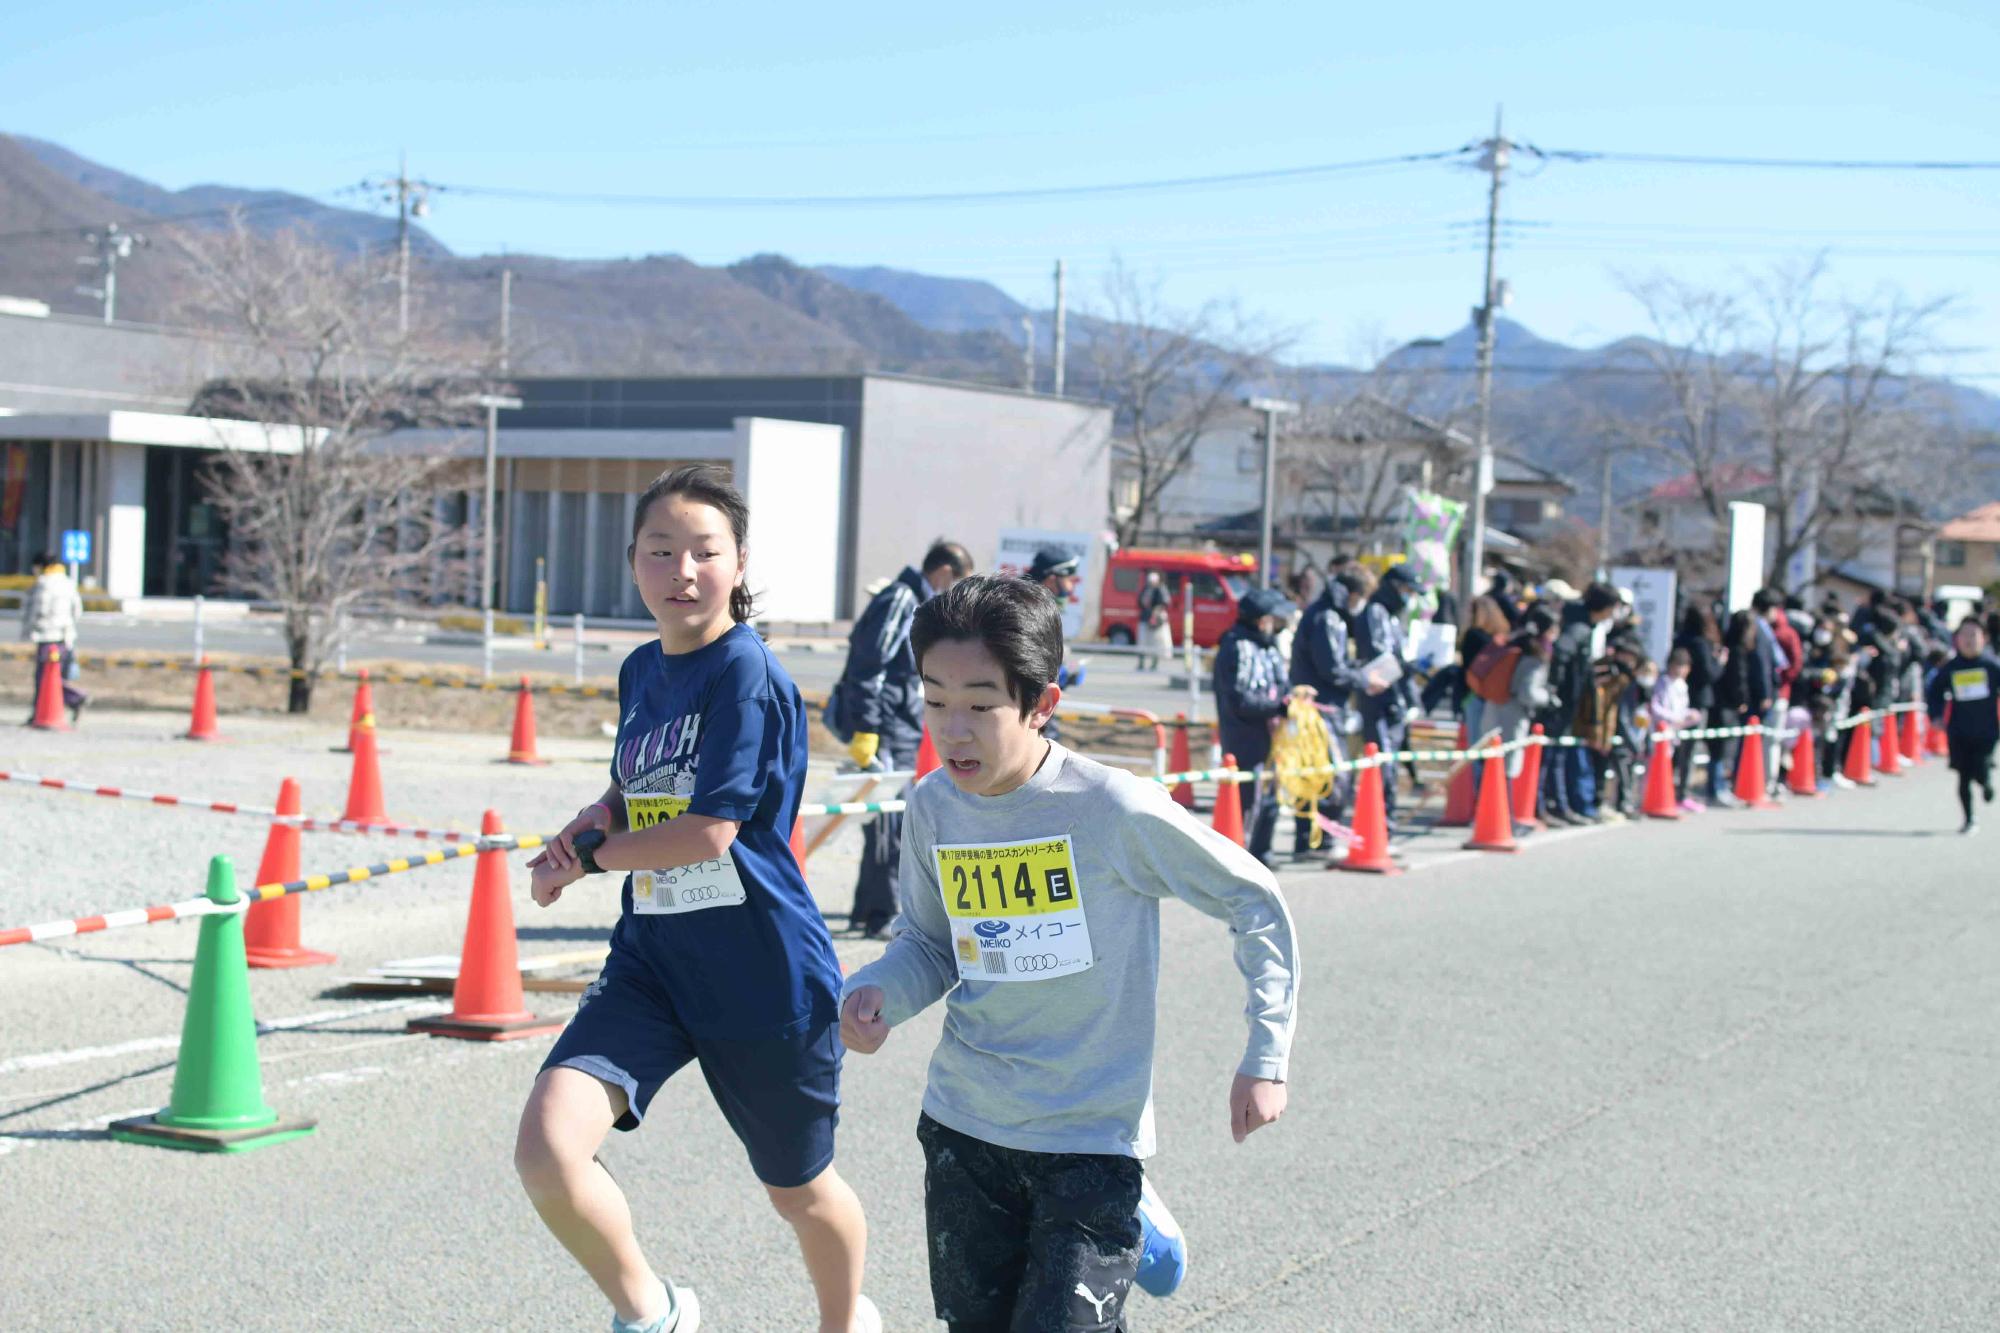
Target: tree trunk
<point x="297" y="643"/>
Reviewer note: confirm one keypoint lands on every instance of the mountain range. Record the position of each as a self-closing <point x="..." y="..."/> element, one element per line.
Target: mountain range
<point x="663" y="314"/>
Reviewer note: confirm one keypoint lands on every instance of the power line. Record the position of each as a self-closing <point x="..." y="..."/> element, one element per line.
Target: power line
<point x="1777" y="163"/>
<point x="959" y="196"/>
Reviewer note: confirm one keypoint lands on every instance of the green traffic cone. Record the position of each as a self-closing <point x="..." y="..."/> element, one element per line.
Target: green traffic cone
<point x="218" y="1098"/>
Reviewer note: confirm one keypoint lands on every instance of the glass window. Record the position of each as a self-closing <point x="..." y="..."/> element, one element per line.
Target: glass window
<point x="1237" y="586"/>
<point x="1207" y="587"/>
<point x="1951" y="554"/>
<point x="1125" y="579"/>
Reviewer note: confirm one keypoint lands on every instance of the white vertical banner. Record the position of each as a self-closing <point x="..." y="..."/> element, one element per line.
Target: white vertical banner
<point x="1746" y="553"/>
<point x="1652" y="605"/>
<point x="1016" y="551"/>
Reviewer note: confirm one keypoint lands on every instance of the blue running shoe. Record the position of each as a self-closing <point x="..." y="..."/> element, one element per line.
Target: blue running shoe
<point x="1163" y="1256"/>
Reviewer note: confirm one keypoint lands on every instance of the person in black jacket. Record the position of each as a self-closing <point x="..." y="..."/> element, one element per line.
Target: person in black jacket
<point x="1964" y="699"/>
<point x="1056" y="572"/>
<point x="1250" y="699"/>
<point x="1386" y="707"/>
<point x="1569" y="789"/>
<point x="1322" y="660"/>
<point x="879" y="702"/>
<point x="1703" y="642"/>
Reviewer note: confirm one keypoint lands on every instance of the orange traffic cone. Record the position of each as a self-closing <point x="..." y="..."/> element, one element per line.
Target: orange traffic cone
<point x="927" y="756"/>
<point x="1888" y="760"/>
<point x="486" y="1000"/>
<point x="1229" y="805"/>
<point x="1493" y="825"/>
<point x="799" y="844"/>
<point x="1458" y="792"/>
<point x="1912" y="741"/>
<point x="363" y="713"/>
<point x="364" y="783"/>
<point x="1936" y="739"/>
<point x="1858" y="746"/>
<point x="1751" y="778"/>
<point x="1660" y="800"/>
<point x="1528" y="785"/>
<point x="521" y="750"/>
<point x="49" y="693"/>
<point x="201" y="727"/>
<point x="1182" y="762"/>
<point x="1369" y="851"/>
<point x="1804" y="779"/>
<point x="271" y="930"/>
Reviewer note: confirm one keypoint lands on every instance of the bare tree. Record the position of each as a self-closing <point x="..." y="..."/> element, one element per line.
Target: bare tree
<point x="1169" y="377"/>
<point x="1804" y="397"/>
<point x="326" y="516"/>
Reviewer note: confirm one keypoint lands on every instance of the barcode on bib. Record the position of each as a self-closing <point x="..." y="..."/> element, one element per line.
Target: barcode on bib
<point x="995" y="961"/>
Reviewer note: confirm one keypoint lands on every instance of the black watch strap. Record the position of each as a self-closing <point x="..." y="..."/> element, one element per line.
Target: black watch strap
<point x="586" y="844"/>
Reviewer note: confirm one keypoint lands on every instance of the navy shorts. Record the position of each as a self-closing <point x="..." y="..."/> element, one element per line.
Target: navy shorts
<point x="780" y="1094"/>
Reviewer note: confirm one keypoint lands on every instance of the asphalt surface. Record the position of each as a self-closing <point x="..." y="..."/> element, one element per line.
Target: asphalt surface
<point x="1737" y="1072"/>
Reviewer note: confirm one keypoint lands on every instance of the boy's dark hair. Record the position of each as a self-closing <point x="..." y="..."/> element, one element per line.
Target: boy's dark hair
<point x="1679" y="657"/>
<point x="705" y="484"/>
<point x="1599" y="597"/>
<point x="42" y="561"/>
<point x="1762" y="600"/>
<point x="1019" y="622"/>
<point x="943" y="554"/>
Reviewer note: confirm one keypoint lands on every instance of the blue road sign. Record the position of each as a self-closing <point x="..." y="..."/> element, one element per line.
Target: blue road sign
<point x="76" y="546"/>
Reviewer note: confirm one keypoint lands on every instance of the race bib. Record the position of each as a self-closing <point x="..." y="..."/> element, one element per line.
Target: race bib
<point x="1016" y="909"/>
<point x="689" y="888"/>
<point x="1969" y="685"/>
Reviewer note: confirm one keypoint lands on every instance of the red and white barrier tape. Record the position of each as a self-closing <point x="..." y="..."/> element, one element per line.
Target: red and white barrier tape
<point x="232" y="808"/>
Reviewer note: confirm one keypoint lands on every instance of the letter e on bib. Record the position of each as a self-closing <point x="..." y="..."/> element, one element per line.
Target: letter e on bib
<point x="1016" y="909"/>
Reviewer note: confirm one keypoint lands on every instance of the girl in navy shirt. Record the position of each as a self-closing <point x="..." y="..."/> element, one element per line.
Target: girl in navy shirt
<point x="720" y="955"/>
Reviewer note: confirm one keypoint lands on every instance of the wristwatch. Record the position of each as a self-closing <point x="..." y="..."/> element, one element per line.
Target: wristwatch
<point x="586" y="844"/>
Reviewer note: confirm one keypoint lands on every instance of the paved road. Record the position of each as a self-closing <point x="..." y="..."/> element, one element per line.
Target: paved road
<point x="1739" y="1072"/>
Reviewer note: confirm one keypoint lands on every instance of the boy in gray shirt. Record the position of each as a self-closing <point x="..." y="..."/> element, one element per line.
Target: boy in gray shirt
<point x="1031" y="886"/>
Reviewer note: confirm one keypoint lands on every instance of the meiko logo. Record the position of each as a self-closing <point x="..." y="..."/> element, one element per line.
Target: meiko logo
<point x="991" y="930"/>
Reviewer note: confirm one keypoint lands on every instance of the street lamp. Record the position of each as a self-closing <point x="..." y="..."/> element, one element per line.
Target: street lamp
<point x="1272" y="408"/>
<point x="493" y="403"/>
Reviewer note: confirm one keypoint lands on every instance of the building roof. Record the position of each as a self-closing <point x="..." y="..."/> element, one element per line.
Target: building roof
<point x="1519" y="471"/>
<point x="1730" y="479"/>
<point x="1981" y="525"/>
<point x="166" y="429"/>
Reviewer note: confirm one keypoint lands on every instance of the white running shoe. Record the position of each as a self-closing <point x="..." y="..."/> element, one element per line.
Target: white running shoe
<point x="686" y="1317"/>
<point x="867" y="1319"/>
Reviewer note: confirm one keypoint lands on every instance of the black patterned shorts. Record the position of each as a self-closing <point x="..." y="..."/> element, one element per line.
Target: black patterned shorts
<point x="1028" y="1242"/>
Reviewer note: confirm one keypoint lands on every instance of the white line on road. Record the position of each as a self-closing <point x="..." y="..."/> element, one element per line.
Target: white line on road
<point x="140" y="1045"/>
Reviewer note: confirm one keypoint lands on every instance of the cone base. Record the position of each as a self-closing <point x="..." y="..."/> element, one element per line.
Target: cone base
<point x="1375" y="868"/>
<point x="47" y="726"/>
<point x="1475" y="845"/>
<point x="149" y="1131"/>
<point x="533" y="759"/>
<point x="288" y="957"/>
<point x="1662" y="814"/>
<point x="201" y="736"/>
<point x="1814" y="795"/>
<point x="483" y="1029"/>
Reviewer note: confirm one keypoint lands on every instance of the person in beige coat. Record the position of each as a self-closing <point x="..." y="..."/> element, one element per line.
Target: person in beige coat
<point x="49" y="619"/>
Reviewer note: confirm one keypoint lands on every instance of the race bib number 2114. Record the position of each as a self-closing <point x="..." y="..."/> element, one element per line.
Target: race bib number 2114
<point x="1016" y="909"/>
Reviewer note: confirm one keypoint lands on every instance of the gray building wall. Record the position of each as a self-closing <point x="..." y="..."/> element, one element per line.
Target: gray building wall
<point x="60" y="363"/>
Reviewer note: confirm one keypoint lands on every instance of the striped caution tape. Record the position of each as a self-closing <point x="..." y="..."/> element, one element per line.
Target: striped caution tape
<point x="232" y="808"/>
<point x="146" y="916"/>
<point x="257" y="672"/>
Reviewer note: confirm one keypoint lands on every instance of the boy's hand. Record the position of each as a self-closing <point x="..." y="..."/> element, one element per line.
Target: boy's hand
<point x="862" y="1027"/>
<point x="1253" y="1103"/>
<point x="546" y="883"/>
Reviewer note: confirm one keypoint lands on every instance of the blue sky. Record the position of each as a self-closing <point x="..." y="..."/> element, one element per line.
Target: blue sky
<point x="790" y="99"/>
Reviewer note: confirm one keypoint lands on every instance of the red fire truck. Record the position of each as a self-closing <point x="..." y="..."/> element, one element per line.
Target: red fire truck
<point x="1219" y="582"/>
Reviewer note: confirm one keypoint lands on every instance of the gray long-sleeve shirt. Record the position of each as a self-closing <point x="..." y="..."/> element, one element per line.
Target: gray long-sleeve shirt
<point x="1059" y="1056"/>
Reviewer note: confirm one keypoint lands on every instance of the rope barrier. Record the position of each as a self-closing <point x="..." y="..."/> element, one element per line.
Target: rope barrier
<point x="232" y="808"/>
<point x="146" y="916"/>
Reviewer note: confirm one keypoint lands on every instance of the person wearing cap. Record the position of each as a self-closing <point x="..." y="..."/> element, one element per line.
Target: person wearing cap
<point x="1321" y="660"/>
<point x="1058" y="572"/>
<point x="1385" y="706"/>
<point x="1251" y="698"/>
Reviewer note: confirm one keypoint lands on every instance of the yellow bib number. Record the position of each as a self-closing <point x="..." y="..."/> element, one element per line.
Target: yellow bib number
<point x="1016" y="909"/>
<point x="688" y="888"/>
<point x="1969" y="685"/>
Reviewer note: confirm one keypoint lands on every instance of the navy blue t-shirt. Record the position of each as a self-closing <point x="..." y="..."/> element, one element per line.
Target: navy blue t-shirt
<point x="738" y="945"/>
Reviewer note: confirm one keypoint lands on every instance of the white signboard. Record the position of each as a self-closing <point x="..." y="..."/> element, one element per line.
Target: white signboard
<point x="1652" y="606"/>
<point x="1746" y="553"/>
<point x="1017" y="552"/>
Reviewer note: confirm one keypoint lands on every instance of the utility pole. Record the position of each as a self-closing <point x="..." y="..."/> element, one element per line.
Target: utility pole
<point x="506" y="314"/>
<point x="113" y="244"/>
<point x="1062" y="334"/>
<point x="412" y="199"/>
<point x="1494" y="162"/>
<point x="1028" y="353"/>
<point x="1272" y="408"/>
<point x="1604" y="521"/>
